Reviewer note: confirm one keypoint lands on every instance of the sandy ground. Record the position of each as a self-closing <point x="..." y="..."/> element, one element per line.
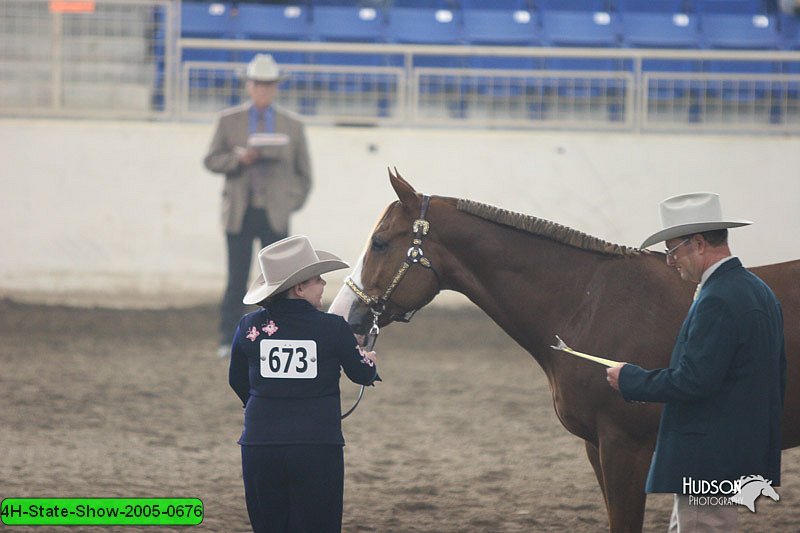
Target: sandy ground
<point x="461" y="435"/>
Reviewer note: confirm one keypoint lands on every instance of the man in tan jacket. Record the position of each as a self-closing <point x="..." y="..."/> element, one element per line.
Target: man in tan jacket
<point x="262" y="151"/>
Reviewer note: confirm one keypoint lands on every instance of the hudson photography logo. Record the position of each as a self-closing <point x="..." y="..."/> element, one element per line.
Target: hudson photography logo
<point x="743" y="491"/>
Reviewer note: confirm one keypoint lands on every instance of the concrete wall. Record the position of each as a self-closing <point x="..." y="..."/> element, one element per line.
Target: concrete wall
<point x="125" y="214"/>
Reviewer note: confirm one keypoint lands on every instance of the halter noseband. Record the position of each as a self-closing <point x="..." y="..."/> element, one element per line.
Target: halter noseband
<point x="414" y="256"/>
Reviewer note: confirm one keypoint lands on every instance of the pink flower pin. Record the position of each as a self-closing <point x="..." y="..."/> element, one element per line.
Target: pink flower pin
<point x="269" y="328"/>
<point x="252" y="333"/>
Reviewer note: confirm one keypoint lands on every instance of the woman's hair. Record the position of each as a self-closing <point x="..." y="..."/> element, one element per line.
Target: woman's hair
<point x="279" y="296"/>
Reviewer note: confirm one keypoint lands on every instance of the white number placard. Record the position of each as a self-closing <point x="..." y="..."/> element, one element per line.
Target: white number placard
<point x="288" y="359"/>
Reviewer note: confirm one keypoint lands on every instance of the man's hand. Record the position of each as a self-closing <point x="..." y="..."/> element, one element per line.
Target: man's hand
<point x="248" y="157"/>
<point x="612" y="375"/>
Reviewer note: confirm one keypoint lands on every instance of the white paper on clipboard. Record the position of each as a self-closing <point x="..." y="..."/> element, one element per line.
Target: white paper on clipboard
<point x="262" y="140"/>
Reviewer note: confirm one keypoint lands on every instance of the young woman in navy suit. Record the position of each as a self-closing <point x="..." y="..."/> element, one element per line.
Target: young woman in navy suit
<point x="285" y="367"/>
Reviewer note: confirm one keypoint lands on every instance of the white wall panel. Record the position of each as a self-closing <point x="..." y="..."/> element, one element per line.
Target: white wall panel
<point x="124" y="211"/>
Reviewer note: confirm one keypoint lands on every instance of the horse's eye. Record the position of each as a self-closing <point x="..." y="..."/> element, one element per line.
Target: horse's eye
<point x="379" y="245"/>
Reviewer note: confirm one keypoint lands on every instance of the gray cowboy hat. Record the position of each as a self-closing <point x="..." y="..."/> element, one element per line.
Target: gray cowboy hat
<point x="286" y="263"/>
<point x="264" y="68"/>
<point x="687" y="214"/>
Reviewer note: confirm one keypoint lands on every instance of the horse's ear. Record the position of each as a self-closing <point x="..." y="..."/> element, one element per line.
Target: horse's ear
<point x="405" y="192"/>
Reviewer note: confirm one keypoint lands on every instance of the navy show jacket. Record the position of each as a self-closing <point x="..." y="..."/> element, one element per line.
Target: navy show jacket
<point x="723" y="389"/>
<point x="285" y="367"/>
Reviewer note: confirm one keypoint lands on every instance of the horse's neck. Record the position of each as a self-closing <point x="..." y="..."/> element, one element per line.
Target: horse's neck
<point x="514" y="277"/>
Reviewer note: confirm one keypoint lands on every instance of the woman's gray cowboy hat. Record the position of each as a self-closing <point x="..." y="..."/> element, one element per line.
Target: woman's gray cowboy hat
<point x="286" y="263"/>
<point x="687" y="214"/>
<point x="264" y="68"/>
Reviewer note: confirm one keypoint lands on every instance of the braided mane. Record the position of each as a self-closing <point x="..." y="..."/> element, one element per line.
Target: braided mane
<point x="545" y="228"/>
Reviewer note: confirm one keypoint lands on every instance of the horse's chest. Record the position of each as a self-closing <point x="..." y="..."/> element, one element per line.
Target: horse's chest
<point x="575" y="419"/>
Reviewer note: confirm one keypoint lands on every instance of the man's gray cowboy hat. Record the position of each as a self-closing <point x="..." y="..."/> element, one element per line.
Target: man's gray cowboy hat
<point x="286" y="263"/>
<point x="687" y="214"/>
<point x="264" y="68"/>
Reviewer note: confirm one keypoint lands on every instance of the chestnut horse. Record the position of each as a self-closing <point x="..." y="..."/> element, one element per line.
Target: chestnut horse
<point x="536" y="279"/>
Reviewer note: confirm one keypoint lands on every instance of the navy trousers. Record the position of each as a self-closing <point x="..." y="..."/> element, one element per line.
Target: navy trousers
<point x="294" y="488"/>
<point x="240" y="255"/>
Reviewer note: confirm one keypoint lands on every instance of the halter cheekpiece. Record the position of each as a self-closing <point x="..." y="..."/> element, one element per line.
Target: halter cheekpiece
<point x="414" y="256"/>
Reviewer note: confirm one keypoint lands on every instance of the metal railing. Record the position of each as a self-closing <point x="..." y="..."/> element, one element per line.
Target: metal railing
<point x="124" y="58"/>
<point x="109" y="58"/>
<point x="558" y="88"/>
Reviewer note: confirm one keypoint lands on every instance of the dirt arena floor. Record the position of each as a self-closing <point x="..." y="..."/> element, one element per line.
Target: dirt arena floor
<point x="460" y="436"/>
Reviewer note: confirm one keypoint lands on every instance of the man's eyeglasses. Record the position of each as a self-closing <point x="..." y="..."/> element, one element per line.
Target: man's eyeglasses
<point x="671" y="252"/>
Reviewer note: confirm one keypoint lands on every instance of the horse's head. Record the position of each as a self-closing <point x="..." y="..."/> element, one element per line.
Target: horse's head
<point x="769" y="491"/>
<point x="750" y="488"/>
<point x="394" y="275"/>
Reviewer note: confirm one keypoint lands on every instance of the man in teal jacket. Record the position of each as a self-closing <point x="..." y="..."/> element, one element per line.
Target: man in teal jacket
<point x="723" y="391"/>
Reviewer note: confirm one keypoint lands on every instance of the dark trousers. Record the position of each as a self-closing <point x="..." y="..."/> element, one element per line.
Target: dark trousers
<point x="294" y="488"/>
<point x="240" y="255"/>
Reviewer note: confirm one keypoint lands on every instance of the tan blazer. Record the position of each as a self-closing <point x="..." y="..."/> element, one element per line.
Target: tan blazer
<point x="287" y="168"/>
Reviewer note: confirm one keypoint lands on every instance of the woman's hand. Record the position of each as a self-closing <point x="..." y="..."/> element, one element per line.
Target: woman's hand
<point x="368" y="356"/>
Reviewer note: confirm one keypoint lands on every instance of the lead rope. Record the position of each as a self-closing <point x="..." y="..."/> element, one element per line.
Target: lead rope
<point x="372" y="336"/>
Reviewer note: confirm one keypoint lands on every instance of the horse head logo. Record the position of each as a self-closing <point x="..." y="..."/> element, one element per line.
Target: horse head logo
<point x="750" y="488"/>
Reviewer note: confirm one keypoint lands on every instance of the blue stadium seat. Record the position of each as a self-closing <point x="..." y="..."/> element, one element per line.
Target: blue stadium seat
<point x="443" y="83"/>
<point x="204" y="54"/>
<point x="503" y="5"/>
<point x="791" y="67"/>
<point x="272" y="22"/>
<point x="500" y="27"/>
<point x="740" y="31"/>
<point x="588" y="88"/>
<point x="678" y="66"/>
<point x="425" y="26"/>
<point x="588" y="64"/>
<point x="574" y="5"/>
<point x="742" y="66"/>
<point x="500" y="84"/>
<point x="790" y="27"/>
<point x="367" y="59"/>
<point x="206" y="21"/>
<point x="348" y="24"/>
<point x="732" y="7"/>
<point x="660" y="30"/>
<point x="656" y="6"/>
<point x="793" y="87"/>
<point x="667" y="90"/>
<point x="365" y="82"/>
<point x="744" y="90"/>
<point x="417" y="4"/>
<point x="439" y="61"/>
<point x="568" y="24"/>
<point x="505" y="62"/>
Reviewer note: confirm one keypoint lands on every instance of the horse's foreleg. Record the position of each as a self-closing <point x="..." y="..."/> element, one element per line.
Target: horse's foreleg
<point x="594" y="458"/>
<point x="624" y="465"/>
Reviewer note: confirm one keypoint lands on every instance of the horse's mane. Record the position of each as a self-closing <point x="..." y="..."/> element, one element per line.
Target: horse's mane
<point x="747" y="479"/>
<point x="545" y="228"/>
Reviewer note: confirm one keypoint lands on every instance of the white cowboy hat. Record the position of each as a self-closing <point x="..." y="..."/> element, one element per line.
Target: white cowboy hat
<point x="286" y="263"/>
<point x="687" y="214"/>
<point x="264" y="68"/>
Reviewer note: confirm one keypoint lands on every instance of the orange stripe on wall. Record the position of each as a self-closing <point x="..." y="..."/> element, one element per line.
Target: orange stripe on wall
<point x="72" y="6"/>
